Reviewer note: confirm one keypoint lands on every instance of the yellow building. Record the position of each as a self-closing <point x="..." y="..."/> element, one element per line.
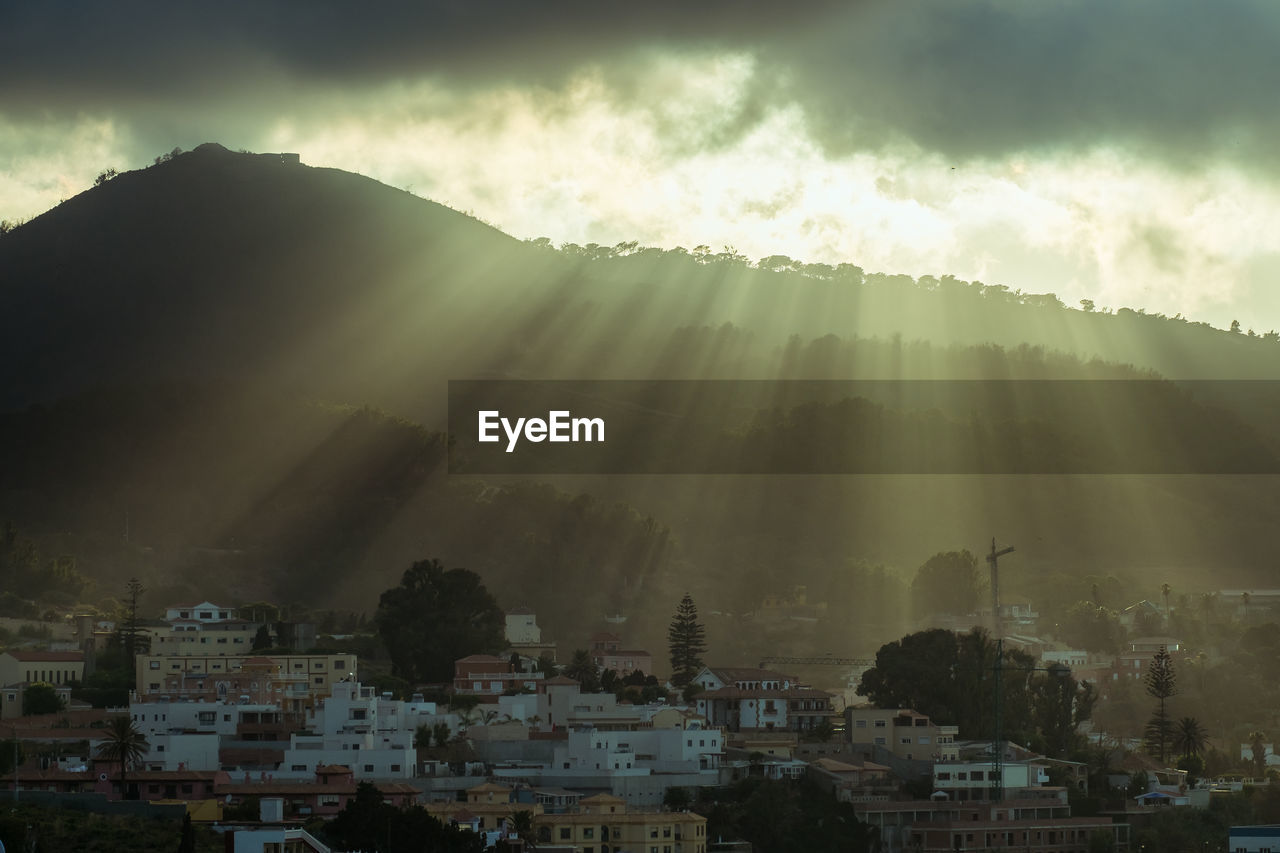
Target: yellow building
<point x="604" y="824"/>
<point x="17" y="667"/>
<point x="489" y="803"/>
<point x="293" y="681"/>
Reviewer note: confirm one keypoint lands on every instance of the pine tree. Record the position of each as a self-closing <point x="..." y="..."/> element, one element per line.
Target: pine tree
<point x="1161" y="684"/>
<point x="687" y="641"/>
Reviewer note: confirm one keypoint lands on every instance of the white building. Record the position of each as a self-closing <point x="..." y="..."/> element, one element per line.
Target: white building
<point x="972" y="780"/>
<point x="1254" y="839"/>
<point x="522" y="627"/>
<point x="205" y="611"/>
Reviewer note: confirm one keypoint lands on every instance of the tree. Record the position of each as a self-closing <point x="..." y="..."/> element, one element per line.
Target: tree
<point x="1258" y="751"/>
<point x="125" y="744"/>
<point x="441" y="733"/>
<point x="583" y="670"/>
<point x="947" y="582"/>
<point x="262" y="639"/>
<point x="1189" y="737"/>
<point x="677" y="799"/>
<point x="686" y="639"/>
<point x="1161" y="683"/>
<point x="41" y="698"/>
<point x="104" y="176"/>
<point x="188" y="842"/>
<point x="434" y="617"/>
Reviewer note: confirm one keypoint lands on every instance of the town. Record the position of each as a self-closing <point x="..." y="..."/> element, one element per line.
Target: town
<point x="259" y="733"/>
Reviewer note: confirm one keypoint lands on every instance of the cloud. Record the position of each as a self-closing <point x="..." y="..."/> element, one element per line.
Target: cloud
<point x="1181" y="80"/>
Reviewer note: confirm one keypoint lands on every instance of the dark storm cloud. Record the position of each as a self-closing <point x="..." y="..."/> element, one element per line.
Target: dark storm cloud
<point x="1181" y="79"/>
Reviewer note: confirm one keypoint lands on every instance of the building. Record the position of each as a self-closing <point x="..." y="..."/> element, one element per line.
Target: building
<point x="604" y="823"/>
<point x="12" y="696"/>
<point x="906" y="733"/>
<point x="1254" y="839"/>
<point x="1134" y="660"/>
<point x="1009" y="827"/>
<point x="751" y="699"/>
<point x="910" y="825"/>
<point x="488" y="806"/>
<point x="32" y="667"/>
<point x="973" y="780"/>
<point x="607" y="652"/>
<point x="204" y="611"/>
<point x="294" y="682"/>
<point x="326" y="794"/>
<point x="492" y="675"/>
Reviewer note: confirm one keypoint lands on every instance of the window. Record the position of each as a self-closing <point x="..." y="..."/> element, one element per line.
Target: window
<point x="978" y="775"/>
<point x="880" y="724"/>
<point x="395" y="768"/>
<point x="226" y="718"/>
<point x="319" y="680"/>
<point x="155" y="664"/>
<point x="588" y="832"/>
<point x="368" y="768"/>
<point x="880" y="741"/>
<point x="298" y="768"/>
<point x="860" y="724"/>
<point x="160" y="747"/>
<point x="904" y="740"/>
<point x="944" y="775"/>
<point x="566" y="833"/>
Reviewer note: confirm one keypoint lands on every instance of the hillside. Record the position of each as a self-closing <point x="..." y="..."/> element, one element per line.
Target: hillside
<point x="241" y="361"/>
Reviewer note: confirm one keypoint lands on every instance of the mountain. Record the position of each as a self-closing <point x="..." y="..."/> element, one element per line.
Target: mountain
<point x="241" y="360"/>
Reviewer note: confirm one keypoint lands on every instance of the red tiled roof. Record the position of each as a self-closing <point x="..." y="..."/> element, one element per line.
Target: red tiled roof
<point x="48" y="656"/>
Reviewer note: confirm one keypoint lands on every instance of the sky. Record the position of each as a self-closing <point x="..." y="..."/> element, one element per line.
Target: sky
<point x="1119" y="152"/>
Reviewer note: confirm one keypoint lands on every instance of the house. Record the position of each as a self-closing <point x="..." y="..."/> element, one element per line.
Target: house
<point x="973" y="780"/>
<point x="1138" y="653"/>
<point x="853" y="782"/>
<point x="328" y="793"/>
<point x="752" y="699"/>
<point x="605" y="821"/>
<point x="492" y="675"/>
<point x="607" y="652"/>
<point x="488" y="806"/>
<point x="906" y="733"/>
<point x="203" y="612"/>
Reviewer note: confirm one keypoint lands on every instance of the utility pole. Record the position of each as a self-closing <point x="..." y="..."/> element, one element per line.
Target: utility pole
<point x="997" y="744"/>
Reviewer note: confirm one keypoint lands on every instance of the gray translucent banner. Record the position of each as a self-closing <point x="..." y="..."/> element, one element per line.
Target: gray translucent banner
<point x="864" y="427"/>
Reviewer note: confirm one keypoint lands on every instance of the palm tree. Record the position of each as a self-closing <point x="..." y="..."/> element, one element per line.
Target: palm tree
<point x="125" y="744"/>
<point x="1189" y="736"/>
<point x="1165" y="589"/>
